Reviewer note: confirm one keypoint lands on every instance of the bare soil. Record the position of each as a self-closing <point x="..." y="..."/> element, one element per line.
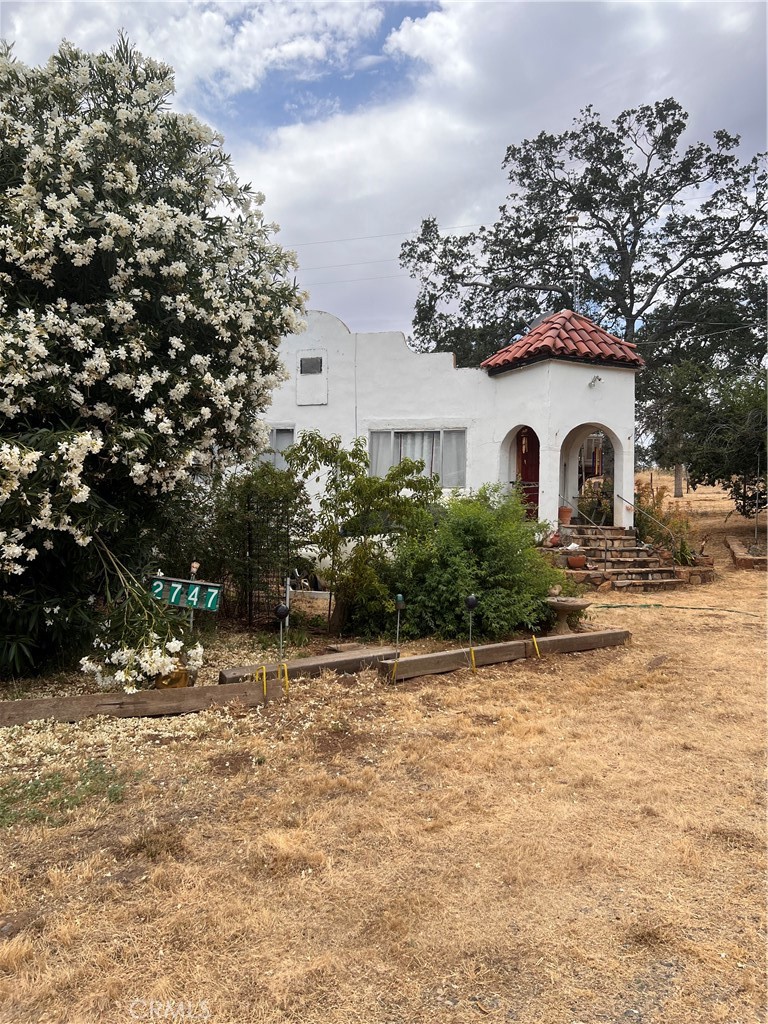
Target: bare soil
<point x="575" y="839"/>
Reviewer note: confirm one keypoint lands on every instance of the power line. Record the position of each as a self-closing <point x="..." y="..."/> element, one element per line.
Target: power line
<point x="362" y="263"/>
<point x="698" y="337"/>
<point x="363" y="238"/>
<point x="701" y="323"/>
<point x="353" y="280"/>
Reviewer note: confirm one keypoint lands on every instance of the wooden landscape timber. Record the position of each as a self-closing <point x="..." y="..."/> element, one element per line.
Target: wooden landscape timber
<point x="144" y="704"/>
<point x="346" y="661"/>
<point x="492" y="654"/>
<point x="241" y="686"/>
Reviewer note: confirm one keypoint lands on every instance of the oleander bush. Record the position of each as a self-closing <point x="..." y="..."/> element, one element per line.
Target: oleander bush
<point x="142" y="300"/>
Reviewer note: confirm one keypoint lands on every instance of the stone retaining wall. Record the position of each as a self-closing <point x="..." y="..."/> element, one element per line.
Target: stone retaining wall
<point x="741" y="556"/>
<point x="695" y="573"/>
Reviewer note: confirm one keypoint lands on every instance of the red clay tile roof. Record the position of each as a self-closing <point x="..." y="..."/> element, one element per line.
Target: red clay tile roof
<point x="565" y="335"/>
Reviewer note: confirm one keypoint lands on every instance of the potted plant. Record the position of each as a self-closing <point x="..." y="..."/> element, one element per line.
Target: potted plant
<point x="576" y="561"/>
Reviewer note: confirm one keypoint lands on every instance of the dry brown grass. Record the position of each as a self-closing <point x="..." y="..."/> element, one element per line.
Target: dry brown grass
<point x="579" y="838"/>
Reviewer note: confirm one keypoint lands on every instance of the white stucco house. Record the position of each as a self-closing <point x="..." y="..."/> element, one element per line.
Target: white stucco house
<point x="523" y="416"/>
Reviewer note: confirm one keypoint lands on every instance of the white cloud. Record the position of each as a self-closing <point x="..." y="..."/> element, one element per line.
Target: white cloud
<point x="368" y="61"/>
<point x="228" y="46"/>
<point x="487" y="75"/>
<point x="470" y="78"/>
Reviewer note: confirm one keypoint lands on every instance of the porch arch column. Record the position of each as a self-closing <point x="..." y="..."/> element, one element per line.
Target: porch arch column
<point x="569" y="457"/>
<point x="624" y="481"/>
<point x="549" y="481"/>
<point x="570" y="451"/>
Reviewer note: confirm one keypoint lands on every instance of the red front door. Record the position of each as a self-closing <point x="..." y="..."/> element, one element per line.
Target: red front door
<point x="528" y="468"/>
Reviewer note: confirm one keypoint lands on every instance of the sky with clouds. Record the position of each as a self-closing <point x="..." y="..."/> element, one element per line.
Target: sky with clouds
<point x="358" y="118"/>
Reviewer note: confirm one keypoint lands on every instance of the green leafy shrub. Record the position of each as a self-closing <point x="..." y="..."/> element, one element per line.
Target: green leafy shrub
<point x="662" y="524"/>
<point x="596" y="503"/>
<point x="482" y="544"/>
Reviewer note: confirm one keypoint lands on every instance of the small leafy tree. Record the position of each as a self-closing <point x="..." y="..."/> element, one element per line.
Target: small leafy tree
<point x="142" y="301"/>
<point x="662" y="523"/>
<point x="719" y="421"/>
<point x="358" y="515"/>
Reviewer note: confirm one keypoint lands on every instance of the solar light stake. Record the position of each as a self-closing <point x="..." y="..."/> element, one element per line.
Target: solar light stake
<point x="400" y="605"/>
<point x="281" y="614"/>
<point x="471" y="604"/>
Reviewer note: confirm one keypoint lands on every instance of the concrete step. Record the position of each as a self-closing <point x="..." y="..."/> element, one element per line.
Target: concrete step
<point x="614" y="531"/>
<point x="609" y="533"/>
<point x="594" y="553"/>
<point x="601" y="579"/>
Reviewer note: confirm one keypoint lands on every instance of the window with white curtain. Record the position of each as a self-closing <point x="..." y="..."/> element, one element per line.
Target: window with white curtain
<point x="443" y="452"/>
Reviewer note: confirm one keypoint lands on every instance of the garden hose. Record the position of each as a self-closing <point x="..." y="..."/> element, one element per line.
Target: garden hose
<point x="682" y="607"/>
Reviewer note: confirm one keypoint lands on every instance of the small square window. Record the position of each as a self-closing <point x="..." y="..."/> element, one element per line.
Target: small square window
<point x="311" y="364"/>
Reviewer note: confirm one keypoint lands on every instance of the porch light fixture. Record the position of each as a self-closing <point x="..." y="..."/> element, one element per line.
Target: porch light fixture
<point x="595" y="380"/>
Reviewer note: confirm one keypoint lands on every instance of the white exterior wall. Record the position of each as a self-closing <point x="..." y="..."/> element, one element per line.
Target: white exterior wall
<point x="375" y="382"/>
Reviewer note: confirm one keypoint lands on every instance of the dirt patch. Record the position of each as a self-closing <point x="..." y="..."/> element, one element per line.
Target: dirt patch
<point x="341" y="740"/>
<point x="235" y="762"/>
<point x="14" y="924"/>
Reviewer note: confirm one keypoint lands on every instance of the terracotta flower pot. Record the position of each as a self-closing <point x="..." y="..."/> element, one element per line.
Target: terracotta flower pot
<point x="564" y="515"/>
<point x="576" y="561"/>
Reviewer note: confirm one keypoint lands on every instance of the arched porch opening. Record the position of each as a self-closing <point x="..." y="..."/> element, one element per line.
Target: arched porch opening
<point x="591" y="471"/>
<point x="521" y="465"/>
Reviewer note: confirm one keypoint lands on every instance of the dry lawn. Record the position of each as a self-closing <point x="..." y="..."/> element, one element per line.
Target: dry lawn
<point x="575" y="839"/>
